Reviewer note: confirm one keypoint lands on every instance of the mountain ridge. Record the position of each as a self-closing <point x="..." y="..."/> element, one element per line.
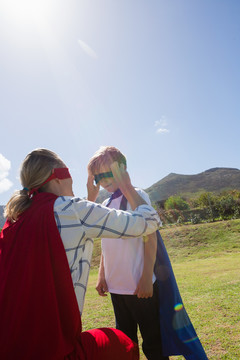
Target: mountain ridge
<point x="212" y="180"/>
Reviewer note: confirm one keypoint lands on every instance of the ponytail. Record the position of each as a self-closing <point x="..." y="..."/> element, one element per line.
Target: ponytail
<point x="35" y="169"/>
<point x="18" y="203"/>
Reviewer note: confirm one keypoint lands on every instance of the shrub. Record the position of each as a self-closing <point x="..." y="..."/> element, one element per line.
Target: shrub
<point x="226" y="206"/>
<point x="176" y="202"/>
<point x="206" y="199"/>
<point x="195" y="219"/>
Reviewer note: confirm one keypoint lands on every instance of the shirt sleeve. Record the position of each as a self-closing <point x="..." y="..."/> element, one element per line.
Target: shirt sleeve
<point x="144" y="195"/>
<point x="99" y="221"/>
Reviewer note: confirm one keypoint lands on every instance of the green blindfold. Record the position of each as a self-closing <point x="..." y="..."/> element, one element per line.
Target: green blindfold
<point x="101" y="176"/>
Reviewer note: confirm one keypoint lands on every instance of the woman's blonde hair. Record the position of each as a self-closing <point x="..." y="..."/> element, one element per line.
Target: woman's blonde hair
<point x="105" y="155"/>
<point x="35" y="169"/>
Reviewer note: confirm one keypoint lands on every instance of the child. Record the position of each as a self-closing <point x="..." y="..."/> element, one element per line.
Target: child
<point x="143" y="291"/>
<point x="45" y="254"/>
<point x="126" y="267"/>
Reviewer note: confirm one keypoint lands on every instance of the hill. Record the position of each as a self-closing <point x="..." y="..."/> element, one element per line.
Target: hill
<point x="212" y="180"/>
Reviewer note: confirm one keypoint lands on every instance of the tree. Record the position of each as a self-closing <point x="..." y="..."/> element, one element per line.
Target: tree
<point x="176" y="202"/>
<point x="226" y="206"/>
<point x="206" y="199"/>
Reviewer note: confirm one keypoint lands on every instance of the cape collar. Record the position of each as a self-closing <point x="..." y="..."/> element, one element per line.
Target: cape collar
<point x="114" y="195"/>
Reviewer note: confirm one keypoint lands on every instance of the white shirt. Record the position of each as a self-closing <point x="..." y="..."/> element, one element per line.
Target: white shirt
<point x="123" y="259"/>
<point x="80" y="220"/>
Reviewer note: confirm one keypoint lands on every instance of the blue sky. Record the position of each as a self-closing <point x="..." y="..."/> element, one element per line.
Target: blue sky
<point x="159" y="79"/>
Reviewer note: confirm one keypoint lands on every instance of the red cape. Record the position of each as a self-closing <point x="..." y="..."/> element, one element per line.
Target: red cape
<point x="39" y="315"/>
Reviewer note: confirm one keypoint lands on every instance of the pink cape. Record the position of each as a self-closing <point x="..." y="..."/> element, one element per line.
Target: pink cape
<point x="39" y="315"/>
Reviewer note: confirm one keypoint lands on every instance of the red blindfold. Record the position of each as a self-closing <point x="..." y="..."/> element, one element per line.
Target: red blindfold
<point x="58" y="173"/>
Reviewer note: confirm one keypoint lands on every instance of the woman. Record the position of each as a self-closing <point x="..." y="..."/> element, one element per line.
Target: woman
<point x="48" y="231"/>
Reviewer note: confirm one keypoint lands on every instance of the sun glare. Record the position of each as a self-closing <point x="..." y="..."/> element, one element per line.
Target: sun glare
<point x="27" y="13"/>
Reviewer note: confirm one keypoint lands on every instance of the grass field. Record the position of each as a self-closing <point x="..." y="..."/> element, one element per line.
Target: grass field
<point x="206" y="262"/>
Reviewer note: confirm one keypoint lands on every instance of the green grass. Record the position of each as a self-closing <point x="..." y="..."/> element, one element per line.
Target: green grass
<point x="206" y="262"/>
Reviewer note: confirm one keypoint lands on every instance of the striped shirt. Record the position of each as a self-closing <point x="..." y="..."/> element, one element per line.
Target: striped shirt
<point x="79" y="221"/>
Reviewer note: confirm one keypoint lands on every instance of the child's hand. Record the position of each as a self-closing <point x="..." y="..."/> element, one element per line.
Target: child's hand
<point x="101" y="287"/>
<point x="92" y="189"/>
<point x="144" y="288"/>
<point x="121" y="176"/>
<point x="124" y="184"/>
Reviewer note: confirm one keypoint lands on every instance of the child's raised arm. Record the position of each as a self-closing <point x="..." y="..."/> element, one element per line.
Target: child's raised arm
<point x="92" y="189"/>
<point x="124" y="183"/>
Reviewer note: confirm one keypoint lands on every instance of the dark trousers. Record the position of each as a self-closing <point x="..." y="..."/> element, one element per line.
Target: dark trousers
<point x="130" y="312"/>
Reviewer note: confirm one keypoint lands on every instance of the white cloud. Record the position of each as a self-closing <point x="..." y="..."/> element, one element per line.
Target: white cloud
<point x="87" y="49"/>
<point x="5" y="166"/>
<point x="161" y="131"/>
<point x="5" y="185"/>
<point x="161" y="125"/>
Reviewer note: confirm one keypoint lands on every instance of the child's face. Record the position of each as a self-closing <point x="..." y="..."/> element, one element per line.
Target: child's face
<point x="108" y="183"/>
